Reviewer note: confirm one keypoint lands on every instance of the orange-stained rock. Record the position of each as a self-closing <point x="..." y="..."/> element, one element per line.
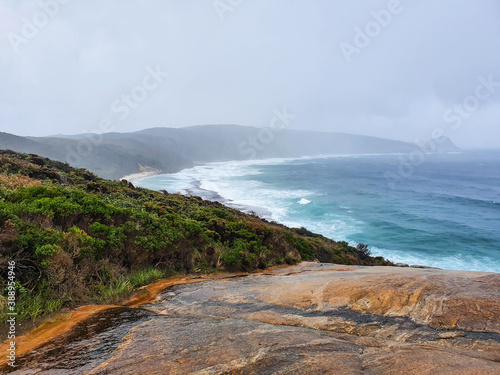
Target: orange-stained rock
<point x="62" y="324"/>
<point x="59" y="325"/>
<point x="307" y="319"/>
<point x="441" y="299"/>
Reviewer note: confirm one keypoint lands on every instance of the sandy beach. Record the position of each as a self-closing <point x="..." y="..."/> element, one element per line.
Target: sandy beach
<point x="136" y="177"/>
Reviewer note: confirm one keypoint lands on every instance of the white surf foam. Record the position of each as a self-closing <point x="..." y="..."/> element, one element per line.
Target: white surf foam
<point x="456" y="262"/>
<point x="232" y="182"/>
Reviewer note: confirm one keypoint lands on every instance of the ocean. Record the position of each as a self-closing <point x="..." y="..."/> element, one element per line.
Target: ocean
<point x="443" y="211"/>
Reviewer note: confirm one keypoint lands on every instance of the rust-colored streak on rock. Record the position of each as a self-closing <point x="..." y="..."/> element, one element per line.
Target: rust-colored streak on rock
<point x="149" y="293"/>
<point x="64" y="323"/>
<point x="61" y="324"/>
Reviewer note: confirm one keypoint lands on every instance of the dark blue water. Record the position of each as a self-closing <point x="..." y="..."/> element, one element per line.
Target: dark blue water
<point x="446" y="213"/>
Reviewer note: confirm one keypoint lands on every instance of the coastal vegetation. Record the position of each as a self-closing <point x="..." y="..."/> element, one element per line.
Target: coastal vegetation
<point x="79" y="239"/>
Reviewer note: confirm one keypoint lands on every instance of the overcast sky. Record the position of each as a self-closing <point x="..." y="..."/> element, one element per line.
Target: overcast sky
<point x="392" y="69"/>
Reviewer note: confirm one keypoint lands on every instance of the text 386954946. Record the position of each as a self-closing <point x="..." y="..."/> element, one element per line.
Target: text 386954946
<point x="11" y="312"/>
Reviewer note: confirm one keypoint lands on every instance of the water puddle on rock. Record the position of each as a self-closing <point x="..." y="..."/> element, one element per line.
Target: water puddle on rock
<point x="85" y="347"/>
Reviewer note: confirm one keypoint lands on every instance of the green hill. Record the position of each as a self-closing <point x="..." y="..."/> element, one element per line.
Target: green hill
<point x="77" y="238"/>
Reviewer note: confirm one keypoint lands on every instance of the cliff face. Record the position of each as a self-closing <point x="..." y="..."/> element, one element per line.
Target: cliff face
<point x="307" y="319"/>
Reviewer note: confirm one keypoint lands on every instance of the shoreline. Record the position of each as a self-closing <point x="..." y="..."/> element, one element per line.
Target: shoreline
<point x="136" y="177"/>
<point x="265" y="213"/>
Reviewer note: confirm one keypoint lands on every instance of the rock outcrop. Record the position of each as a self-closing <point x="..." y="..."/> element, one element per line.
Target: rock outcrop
<point x="308" y="319"/>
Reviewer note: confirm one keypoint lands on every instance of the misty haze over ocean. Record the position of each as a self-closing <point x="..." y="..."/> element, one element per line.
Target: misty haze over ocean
<point x="122" y="87"/>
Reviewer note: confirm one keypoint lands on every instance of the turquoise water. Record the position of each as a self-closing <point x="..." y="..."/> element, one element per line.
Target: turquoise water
<point x="445" y="214"/>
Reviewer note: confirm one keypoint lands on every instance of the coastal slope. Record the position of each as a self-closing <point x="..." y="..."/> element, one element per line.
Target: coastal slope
<point x="78" y="239"/>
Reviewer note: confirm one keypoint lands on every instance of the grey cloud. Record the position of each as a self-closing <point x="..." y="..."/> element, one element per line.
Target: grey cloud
<point x="264" y="54"/>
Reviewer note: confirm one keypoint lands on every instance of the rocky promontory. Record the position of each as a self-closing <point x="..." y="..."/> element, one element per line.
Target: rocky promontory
<point x="312" y="318"/>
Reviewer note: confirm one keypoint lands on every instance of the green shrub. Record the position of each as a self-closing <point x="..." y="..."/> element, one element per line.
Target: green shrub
<point x="232" y="257"/>
<point x="304" y="248"/>
<point x="145" y="277"/>
<point x="46" y="251"/>
<point x="112" y="292"/>
<point x="211" y="236"/>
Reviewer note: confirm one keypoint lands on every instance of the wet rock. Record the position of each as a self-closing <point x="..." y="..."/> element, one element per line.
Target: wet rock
<point x="309" y="319"/>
